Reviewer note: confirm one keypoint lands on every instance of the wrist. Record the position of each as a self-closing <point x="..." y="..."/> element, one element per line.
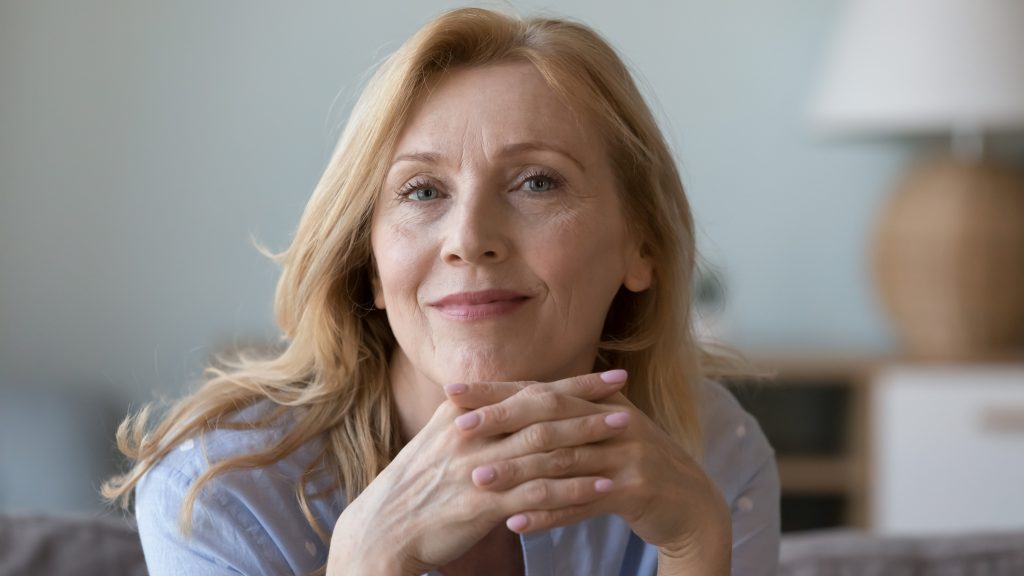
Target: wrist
<point x="709" y="552"/>
<point x="357" y="551"/>
<point x="697" y="560"/>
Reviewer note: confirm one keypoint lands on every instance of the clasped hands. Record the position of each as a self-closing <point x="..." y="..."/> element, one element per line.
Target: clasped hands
<point x="535" y="455"/>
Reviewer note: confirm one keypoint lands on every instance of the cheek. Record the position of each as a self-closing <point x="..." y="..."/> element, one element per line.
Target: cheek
<point x="581" y="259"/>
<point x="400" y="259"/>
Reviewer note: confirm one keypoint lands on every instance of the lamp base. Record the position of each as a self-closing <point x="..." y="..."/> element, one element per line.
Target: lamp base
<point x="949" y="259"/>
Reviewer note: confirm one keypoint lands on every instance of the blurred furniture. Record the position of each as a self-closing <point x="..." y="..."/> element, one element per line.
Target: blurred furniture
<point x="893" y="446"/>
<point x="949" y="249"/>
<point x="64" y="546"/>
<point x="854" y="553"/>
<point x="948" y="448"/>
<point x="815" y="414"/>
<point x="69" y="545"/>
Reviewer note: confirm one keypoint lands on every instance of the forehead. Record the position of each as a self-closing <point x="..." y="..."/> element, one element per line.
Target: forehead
<point x="493" y="106"/>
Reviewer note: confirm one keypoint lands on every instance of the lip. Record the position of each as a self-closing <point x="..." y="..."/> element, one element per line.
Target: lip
<point x="480" y="304"/>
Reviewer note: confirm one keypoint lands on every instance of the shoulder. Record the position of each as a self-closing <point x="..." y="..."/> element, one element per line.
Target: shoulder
<point x="247" y="519"/>
<point x="193" y="456"/>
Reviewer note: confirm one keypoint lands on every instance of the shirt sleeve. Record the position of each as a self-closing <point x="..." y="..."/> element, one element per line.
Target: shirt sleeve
<point x="741" y="461"/>
<point x="226" y="537"/>
<point x="756" y="524"/>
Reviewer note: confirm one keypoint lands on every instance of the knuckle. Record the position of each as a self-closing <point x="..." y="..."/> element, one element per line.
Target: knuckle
<point x="581" y="384"/>
<point x="576" y="491"/>
<point x="598" y="428"/>
<point x="537" y="493"/>
<point x="550" y="403"/>
<point x="532" y="391"/>
<point x="566" y="515"/>
<point x="508" y="473"/>
<point x="543" y="519"/>
<point x="496" y="414"/>
<point x="537" y="436"/>
<point x="564" y="460"/>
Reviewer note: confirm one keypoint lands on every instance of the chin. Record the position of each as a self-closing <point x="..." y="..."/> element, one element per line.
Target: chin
<point x="487" y="364"/>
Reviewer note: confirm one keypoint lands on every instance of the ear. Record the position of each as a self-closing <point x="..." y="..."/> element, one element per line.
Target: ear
<point x="639" y="271"/>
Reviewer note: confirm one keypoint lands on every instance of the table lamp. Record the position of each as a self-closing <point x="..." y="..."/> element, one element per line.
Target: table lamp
<point x="948" y="251"/>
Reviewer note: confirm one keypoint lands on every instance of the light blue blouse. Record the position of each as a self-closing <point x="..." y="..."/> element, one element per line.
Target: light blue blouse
<point x="250" y="522"/>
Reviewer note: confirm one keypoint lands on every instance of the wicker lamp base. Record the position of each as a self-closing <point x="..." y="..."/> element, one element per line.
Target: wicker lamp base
<point x="949" y="260"/>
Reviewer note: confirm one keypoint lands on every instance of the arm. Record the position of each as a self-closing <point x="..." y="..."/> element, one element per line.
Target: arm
<point x="756" y="522"/>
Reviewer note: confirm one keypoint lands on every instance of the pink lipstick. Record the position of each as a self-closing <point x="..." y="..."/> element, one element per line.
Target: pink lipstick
<point x="480" y="305"/>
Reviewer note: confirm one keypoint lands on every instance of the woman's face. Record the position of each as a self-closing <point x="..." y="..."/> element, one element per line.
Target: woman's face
<point x="498" y="236"/>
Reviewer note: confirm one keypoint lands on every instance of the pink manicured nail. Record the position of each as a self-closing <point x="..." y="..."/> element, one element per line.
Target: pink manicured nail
<point x="617" y="376"/>
<point x="455" y="389"/>
<point x="617" y="419"/>
<point x="603" y="485"/>
<point x="484" y="475"/>
<point x="517" y="522"/>
<point x="468" y="421"/>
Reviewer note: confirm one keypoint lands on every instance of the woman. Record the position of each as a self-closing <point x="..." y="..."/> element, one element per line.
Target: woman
<point x="489" y="364"/>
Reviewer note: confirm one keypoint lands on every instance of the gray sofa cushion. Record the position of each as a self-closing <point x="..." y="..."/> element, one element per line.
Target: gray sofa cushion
<point x="849" y="553"/>
<point x="83" y="546"/>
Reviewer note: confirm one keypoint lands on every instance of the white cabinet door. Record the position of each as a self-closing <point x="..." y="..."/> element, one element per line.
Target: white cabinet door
<point x="948" y="449"/>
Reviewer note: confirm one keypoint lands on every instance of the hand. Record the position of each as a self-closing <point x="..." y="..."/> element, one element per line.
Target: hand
<point x="423" y="510"/>
<point x="662" y="493"/>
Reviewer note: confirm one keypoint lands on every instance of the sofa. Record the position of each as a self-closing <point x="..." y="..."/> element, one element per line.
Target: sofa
<point x="109" y="546"/>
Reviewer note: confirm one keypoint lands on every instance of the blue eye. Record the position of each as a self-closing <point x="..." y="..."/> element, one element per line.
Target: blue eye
<point x="420" y="190"/>
<point x="540" y="182"/>
<point x="422" y="194"/>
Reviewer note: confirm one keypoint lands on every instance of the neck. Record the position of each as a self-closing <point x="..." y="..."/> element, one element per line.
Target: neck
<point x="415" y="396"/>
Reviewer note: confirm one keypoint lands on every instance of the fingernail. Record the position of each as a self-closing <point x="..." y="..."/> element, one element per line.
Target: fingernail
<point x="517" y="522"/>
<point x="604" y="485"/>
<point x="455" y="389"/>
<point x="484" y="475"/>
<point x="468" y="421"/>
<point x="617" y="376"/>
<point x="616" y="419"/>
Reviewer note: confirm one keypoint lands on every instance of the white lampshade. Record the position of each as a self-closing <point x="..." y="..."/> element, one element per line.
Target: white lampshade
<point x="925" y="66"/>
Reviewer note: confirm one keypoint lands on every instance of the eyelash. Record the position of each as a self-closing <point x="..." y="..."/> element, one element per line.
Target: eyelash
<point x="421" y="183"/>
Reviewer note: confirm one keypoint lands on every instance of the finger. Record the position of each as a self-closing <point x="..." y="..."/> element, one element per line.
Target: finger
<point x="561" y="463"/>
<point x="478" y="394"/>
<point x="547" y="436"/>
<point x="554" y="494"/>
<point x="593" y="387"/>
<point x="542" y="401"/>
<point x="529" y="407"/>
<point x="537" y="520"/>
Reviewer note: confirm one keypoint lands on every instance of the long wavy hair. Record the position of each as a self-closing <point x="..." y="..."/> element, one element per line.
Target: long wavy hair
<point x="331" y="371"/>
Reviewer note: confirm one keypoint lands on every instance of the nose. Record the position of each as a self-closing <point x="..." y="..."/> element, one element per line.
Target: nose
<point x="476" y="232"/>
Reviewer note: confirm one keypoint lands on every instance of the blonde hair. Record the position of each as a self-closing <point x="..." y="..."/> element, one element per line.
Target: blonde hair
<point x="332" y="373"/>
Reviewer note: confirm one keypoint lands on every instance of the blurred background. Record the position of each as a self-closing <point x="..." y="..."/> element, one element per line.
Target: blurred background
<point x="144" y="145"/>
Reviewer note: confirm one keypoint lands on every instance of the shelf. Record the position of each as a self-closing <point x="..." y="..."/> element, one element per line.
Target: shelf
<point x="817" y="475"/>
<point x="814" y="413"/>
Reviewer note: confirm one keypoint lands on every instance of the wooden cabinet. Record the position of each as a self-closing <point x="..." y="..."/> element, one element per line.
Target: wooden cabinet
<point x="893" y="447"/>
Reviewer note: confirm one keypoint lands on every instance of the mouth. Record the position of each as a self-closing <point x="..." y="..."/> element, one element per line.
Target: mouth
<point x="480" y="305"/>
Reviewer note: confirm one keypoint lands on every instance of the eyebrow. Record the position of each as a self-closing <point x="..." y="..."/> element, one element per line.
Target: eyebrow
<point x="509" y="150"/>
